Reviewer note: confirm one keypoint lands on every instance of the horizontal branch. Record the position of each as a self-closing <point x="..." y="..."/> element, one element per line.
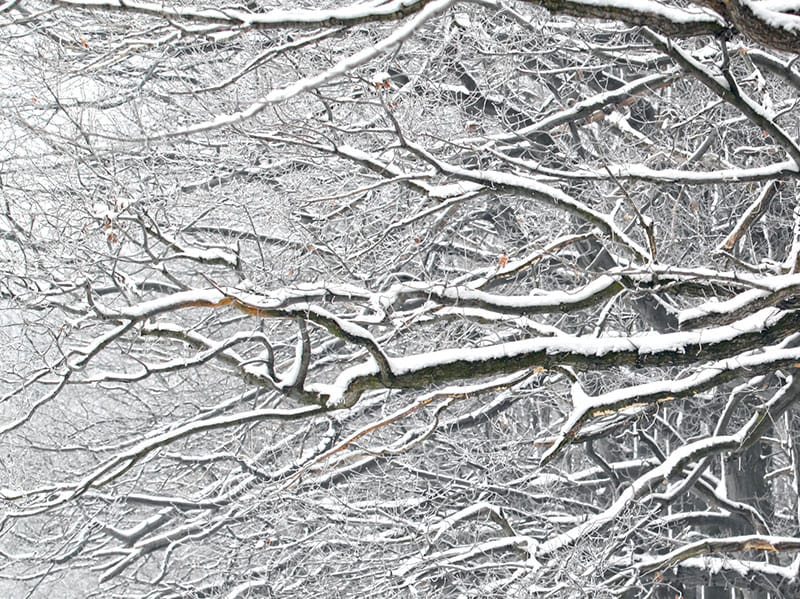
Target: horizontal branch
<point x="669" y="20"/>
<point x="349" y="16"/>
<point x="781" y="291"/>
<point x="739" y="573"/>
<point x="672" y="349"/>
<point x="594" y="292"/>
<point x="772" y="544"/>
<point x="639" y="172"/>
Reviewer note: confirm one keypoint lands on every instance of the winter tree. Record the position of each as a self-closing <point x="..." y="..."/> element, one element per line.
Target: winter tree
<point x="399" y="299"/>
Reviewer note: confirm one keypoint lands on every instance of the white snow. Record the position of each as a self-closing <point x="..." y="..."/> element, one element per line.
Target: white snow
<point x="272" y="18"/>
<point x="769" y="12"/>
<point x="543" y="299"/>
<point x="691" y="14"/>
<point x="766" y="287"/>
<point x="311" y="82"/>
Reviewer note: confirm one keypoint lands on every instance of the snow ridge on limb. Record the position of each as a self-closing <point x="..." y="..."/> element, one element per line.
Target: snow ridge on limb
<point x="584" y="350"/>
<point x="772" y="544"/>
<point x="672" y="21"/>
<point x="306" y="84"/>
<point x="640" y="172"/>
<point x="452" y="364"/>
<point x="772" y="291"/>
<point x="552" y="301"/>
<point x="640" y="396"/>
<point x="754" y="211"/>
<point x="337" y="17"/>
<point x="583" y="109"/>
<point x="768" y="23"/>
<point x="736" y="572"/>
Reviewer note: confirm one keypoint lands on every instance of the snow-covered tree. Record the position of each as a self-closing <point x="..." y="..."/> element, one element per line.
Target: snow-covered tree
<point x="399" y="299"/>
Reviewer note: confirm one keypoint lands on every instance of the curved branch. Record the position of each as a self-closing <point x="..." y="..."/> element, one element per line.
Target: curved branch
<point x="336" y="17"/>
<point x="672" y="21"/>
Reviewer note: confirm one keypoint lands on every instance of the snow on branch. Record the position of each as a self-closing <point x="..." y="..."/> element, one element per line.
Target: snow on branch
<point x="707" y="570"/>
<point x="670" y="20"/>
<point x="639" y="172"/>
<point x="312" y="82"/>
<point x="337" y="17"/>
<point x="596" y="291"/>
<point x="726" y="89"/>
<point x="585" y="108"/>
<point x="771" y="544"/>
<point x="539" y="191"/>
<point x="648" y="482"/>
<point x="124" y="460"/>
<point x="770" y="23"/>
<point x="778" y="291"/>
<point x="587" y="351"/>
<point x="636" y="397"/>
<point x="754" y="211"/>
